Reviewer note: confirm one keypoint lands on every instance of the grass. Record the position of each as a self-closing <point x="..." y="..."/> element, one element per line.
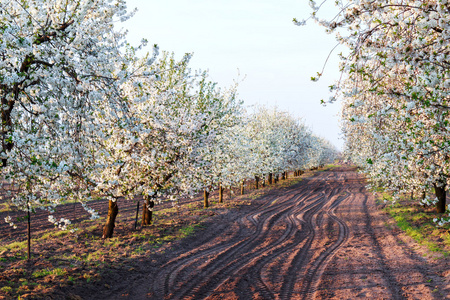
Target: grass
<point x="17" y="246"/>
<point x="417" y="222"/>
<point x="290" y="181"/>
<point x="14" y="246"/>
<point x="53" y="234"/>
<point x="4" y="207"/>
<point x="6" y="289"/>
<point x="189" y="230"/>
<point x="46" y="272"/>
<point x="330" y="167"/>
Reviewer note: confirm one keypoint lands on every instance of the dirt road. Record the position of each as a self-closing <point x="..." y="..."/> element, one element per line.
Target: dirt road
<point x="322" y="238"/>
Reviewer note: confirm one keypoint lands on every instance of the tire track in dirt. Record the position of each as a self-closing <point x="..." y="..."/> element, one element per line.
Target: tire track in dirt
<point x="254" y="267"/>
<point x="238" y="259"/>
<point x="262" y="219"/>
<point x="322" y="238"/>
<point x="303" y="262"/>
<point x="312" y="279"/>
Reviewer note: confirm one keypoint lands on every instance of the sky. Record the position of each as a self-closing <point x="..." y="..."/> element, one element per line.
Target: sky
<point x="255" y="39"/>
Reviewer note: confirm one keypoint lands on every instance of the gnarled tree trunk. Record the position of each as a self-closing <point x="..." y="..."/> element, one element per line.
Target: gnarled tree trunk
<point x="113" y="210"/>
<point x="220" y="193"/>
<point x="205" y="198"/>
<point x="441" y="196"/>
<point x="270" y="178"/>
<point x="256" y="182"/>
<point x="147" y="212"/>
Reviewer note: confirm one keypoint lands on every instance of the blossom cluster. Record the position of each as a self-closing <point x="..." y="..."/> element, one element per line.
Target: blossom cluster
<point x="84" y="116"/>
<point x="395" y="91"/>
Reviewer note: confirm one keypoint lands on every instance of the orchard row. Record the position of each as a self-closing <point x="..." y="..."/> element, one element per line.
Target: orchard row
<point x="396" y="91"/>
<point x="85" y="116"/>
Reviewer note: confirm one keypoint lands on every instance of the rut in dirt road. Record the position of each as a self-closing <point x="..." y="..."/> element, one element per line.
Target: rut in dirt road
<point x="321" y="238"/>
<point x="278" y="251"/>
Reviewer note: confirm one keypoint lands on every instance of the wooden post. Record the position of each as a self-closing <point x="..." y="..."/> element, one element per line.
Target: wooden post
<point x="137" y="214"/>
<point x="28" y="231"/>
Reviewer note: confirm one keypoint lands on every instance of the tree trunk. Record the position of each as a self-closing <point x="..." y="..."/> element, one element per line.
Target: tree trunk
<point x="276" y="178"/>
<point x="147" y="212"/>
<point x="286" y="175"/>
<point x="242" y="186"/>
<point x="283" y="176"/>
<point x="7" y="126"/>
<point x="270" y="178"/>
<point x="256" y="182"/>
<point x="440" y="194"/>
<point x="220" y="193"/>
<point x="205" y="198"/>
<point x="113" y="210"/>
<point x="28" y="232"/>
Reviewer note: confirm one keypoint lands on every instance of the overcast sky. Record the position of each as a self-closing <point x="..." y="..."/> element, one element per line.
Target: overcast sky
<point x="256" y="37"/>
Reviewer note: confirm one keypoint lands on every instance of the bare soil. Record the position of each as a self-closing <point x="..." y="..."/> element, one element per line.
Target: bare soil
<point x="320" y="238"/>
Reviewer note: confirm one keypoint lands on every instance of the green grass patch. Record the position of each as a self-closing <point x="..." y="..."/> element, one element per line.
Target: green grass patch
<point x="6" y="289"/>
<point x="332" y="166"/>
<point x="417" y="222"/>
<point x="329" y="167"/>
<point x="14" y="246"/>
<point x="53" y="234"/>
<point x="46" y="272"/>
<point x="188" y="230"/>
<point x="182" y="232"/>
<point x="4" y="207"/>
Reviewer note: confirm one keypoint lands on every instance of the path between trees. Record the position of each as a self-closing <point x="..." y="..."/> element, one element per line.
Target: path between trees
<point x="322" y="238"/>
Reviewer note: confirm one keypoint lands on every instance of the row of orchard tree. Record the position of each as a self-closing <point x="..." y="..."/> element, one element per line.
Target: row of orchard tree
<point x="396" y="93"/>
<point x="84" y="116"/>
